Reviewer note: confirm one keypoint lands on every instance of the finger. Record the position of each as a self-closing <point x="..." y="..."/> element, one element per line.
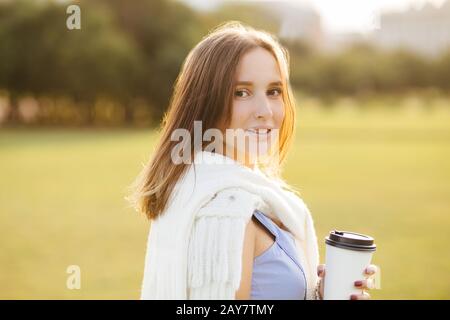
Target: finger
<point x="321" y="288"/>
<point x="321" y="270"/>
<point x="370" y="270"/>
<point x="363" y="296"/>
<point x="364" y="284"/>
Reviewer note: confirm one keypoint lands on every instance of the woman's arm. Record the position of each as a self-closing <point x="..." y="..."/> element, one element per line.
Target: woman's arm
<point x="248" y="252"/>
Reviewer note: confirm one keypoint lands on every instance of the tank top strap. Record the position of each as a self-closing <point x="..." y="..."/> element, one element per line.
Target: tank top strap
<point x="267" y="222"/>
<point x="284" y="238"/>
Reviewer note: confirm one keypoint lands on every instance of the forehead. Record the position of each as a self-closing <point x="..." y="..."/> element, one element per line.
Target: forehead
<point x="258" y="65"/>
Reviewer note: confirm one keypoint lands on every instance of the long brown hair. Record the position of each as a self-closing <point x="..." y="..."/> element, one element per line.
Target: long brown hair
<point x="203" y="92"/>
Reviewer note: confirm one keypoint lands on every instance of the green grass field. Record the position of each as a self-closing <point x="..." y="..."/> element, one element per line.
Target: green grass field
<point x="384" y="172"/>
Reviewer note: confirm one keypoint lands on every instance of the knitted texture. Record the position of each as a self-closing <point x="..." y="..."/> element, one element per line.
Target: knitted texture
<point x="216" y="244"/>
<point x="194" y="248"/>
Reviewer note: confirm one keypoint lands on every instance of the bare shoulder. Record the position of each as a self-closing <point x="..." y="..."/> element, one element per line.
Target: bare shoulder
<point x="251" y="231"/>
<point x="244" y="290"/>
<point x="252" y="227"/>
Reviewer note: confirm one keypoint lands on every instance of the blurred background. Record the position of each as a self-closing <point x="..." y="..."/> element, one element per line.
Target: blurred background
<point x="79" y="115"/>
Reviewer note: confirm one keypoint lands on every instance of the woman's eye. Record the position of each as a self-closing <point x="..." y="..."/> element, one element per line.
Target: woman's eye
<point x="274" y="92"/>
<point x="241" y="93"/>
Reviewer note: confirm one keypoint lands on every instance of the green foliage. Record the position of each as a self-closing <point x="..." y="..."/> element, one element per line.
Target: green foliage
<point x="132" y="52"/>
<point x="442" y="71"/>
<point x="363" y="69"/>
<point x="123" y="51"/>
<point x="253" y="14"/>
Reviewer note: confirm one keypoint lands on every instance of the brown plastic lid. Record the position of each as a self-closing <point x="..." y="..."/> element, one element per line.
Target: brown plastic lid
<point x="350" y="240"/>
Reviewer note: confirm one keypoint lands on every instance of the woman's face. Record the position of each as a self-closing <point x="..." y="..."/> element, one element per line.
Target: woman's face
<point x="257" y="106"/>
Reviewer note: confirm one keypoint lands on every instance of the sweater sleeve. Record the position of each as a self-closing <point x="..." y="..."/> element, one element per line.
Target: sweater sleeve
<point x="216" y="244"/>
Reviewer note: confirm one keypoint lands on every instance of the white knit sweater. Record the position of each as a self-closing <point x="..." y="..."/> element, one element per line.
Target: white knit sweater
<point x="194" y="248"/>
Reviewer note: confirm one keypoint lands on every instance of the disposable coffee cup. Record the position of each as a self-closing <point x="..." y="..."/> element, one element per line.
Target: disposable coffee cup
<point x="347" y="255"/>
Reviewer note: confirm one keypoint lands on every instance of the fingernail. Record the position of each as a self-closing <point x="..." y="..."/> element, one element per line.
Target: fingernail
<point x="370" y="270"/>
<point x="353" y="297"/>
<point x="358" y="283"/>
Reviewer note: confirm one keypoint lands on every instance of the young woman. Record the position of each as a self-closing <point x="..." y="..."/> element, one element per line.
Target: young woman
<point x="224" y="225"/>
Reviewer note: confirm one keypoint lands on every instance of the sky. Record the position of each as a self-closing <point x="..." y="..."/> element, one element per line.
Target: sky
<point x="340" y="16"/>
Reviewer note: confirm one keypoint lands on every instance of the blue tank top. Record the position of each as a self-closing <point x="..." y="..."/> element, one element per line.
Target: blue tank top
<point x="277" y="272"/>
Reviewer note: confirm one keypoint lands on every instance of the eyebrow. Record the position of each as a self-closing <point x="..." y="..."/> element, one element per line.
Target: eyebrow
<point x="249" y="83"/>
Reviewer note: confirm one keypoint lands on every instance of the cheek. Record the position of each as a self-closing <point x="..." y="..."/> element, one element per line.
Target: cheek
<point x="278" y="114"/>
<point x="240" y="114"/>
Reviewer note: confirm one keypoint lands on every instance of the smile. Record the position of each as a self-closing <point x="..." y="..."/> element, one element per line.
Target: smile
<point x="259" y="132"/>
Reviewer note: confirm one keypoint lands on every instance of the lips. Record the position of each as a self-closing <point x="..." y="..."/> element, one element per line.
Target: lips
<point x="259" y="131"/>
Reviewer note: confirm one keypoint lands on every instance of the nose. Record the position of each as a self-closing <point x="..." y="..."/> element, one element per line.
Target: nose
<point x="263" y="108"/>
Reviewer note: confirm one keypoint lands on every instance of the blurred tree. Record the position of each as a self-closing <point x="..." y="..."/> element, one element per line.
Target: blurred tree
<point x="441" y="71"/>
<point x="402" y="69"/>
<point x="40" y="56"/>
<point x="100" y="60"/>
<point x="124" y="50"/>
<point x="131" y="53"/>
<point x="363" y="69"/>
<point x="255" y="14"/>
<point x="164" y="31"/>
<point x="20" y="72"/>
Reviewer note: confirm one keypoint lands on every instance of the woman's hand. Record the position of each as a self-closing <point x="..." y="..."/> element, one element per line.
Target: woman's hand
<point x="365" y="284"/>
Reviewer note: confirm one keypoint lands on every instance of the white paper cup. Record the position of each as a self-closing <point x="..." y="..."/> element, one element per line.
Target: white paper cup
<point x="347" y="255"/>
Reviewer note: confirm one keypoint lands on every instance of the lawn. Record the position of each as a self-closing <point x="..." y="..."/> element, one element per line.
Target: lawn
<point x="383" y="171"/>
